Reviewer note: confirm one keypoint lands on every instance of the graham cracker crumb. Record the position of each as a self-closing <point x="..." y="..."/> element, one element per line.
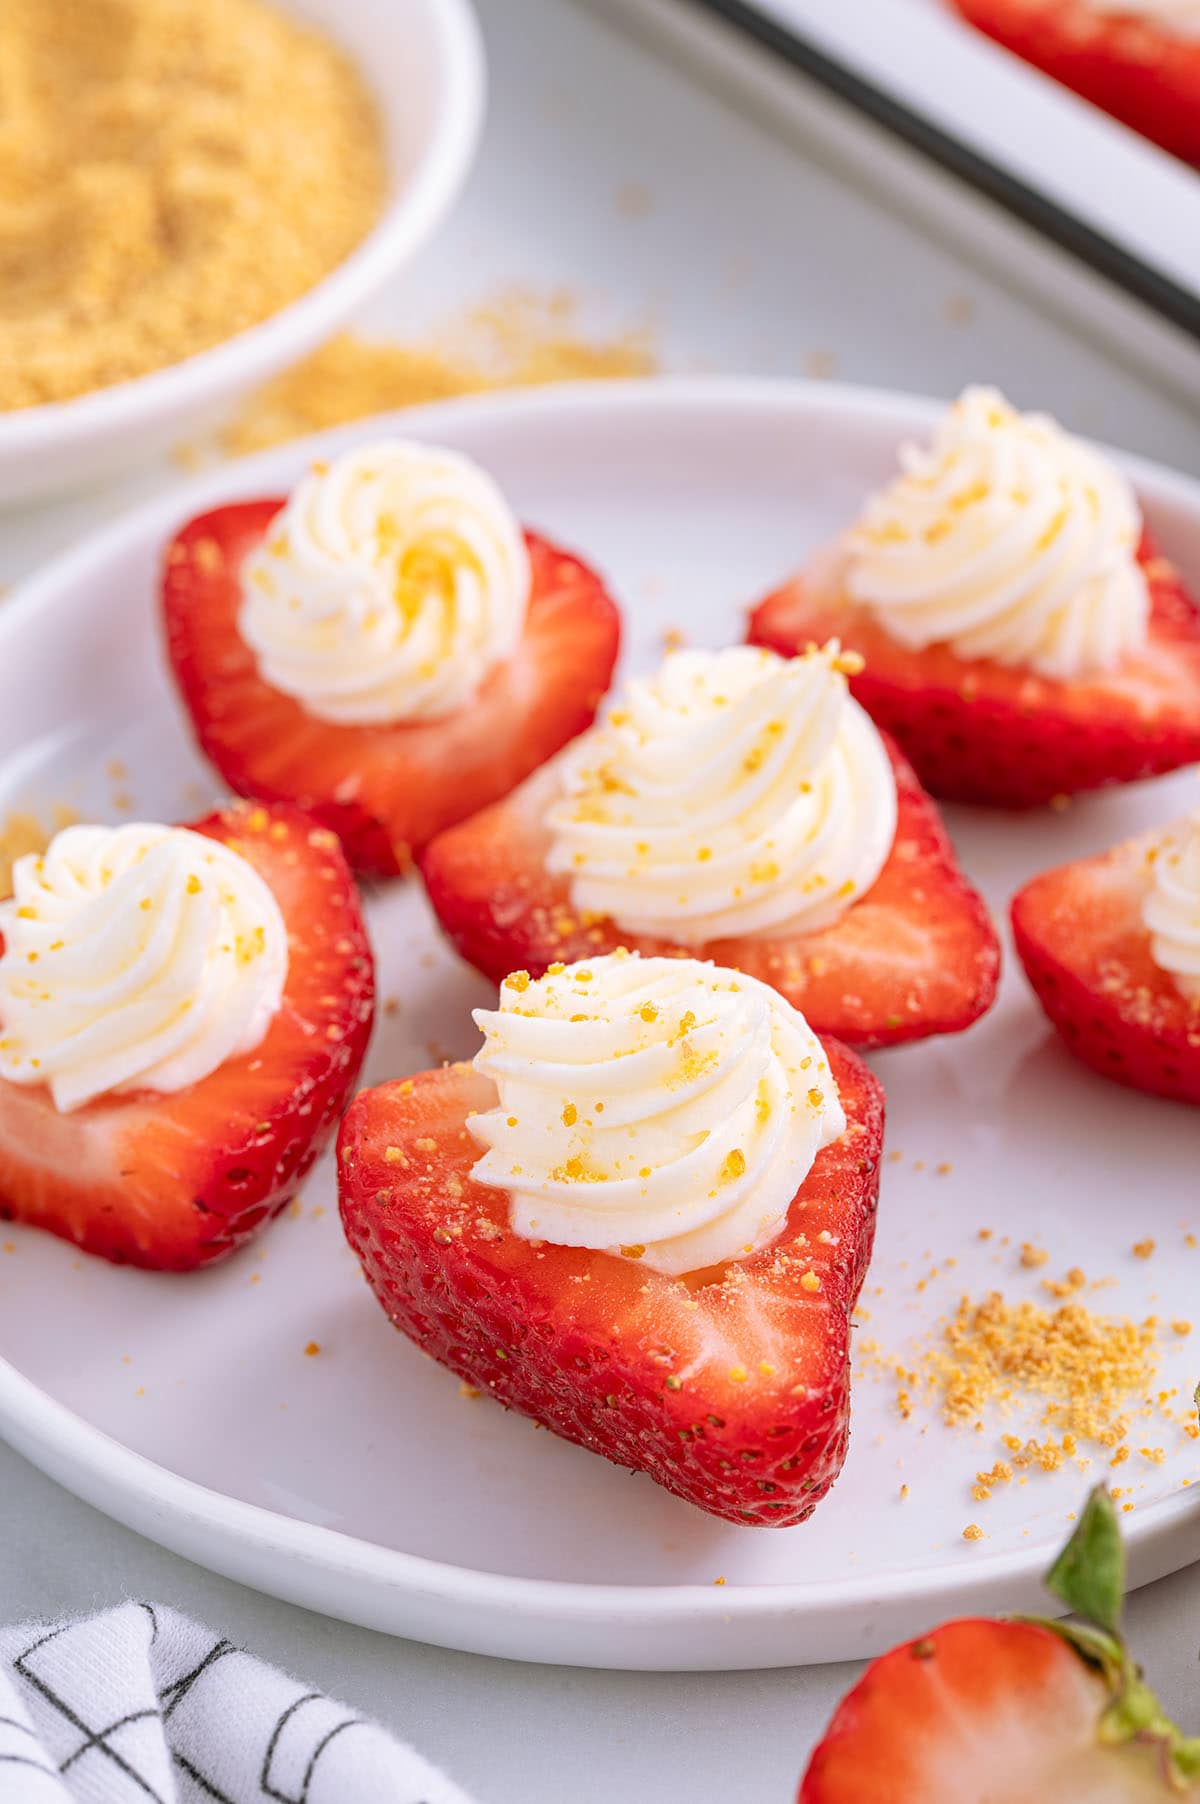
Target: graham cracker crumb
<point x="172" y="175"/>
<point x="519" y="338"/>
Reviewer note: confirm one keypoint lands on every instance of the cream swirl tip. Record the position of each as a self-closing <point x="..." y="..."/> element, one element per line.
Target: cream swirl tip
<point x="1008" y="539"/>
<point x="660" y="1109"/>
<point x="135" y="958"/>
<point x="393" y="581"/>
<point x="734" y="793"/>
<point x="1171" y="911"/>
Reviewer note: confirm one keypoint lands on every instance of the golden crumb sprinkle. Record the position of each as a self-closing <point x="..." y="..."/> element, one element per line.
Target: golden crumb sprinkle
<point x="1032" y="1256"/>
<point x="517" y="338"/>
<point x="312" y="1349"/>
<point x="517" y="980"/>
<point x="1084" y="1377"/>
<point x="718" y="1581"/>
<point x="972" y="1532"/>
<point x="172" y="174"/>
<point x="1142" y="1249"/>
<point x="810" y="1281"/>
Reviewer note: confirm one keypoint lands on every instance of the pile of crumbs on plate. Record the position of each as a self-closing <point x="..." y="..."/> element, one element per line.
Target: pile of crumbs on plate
<point x="170" y="174"/>
<point x="1082" y="1383"/>
<point x="520" y="338"/>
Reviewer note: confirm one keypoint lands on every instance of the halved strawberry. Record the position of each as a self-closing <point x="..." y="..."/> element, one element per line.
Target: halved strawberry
<point x="979" y="732"/>
<point x="177" y="1181"/>
<point x="916" y="956"/>
<point x="986" y="1712"/>
<point x="385" y="790"/>
<point x="1141" y="72"/>
<point x="734" y="1393"/>
<point x="1086" y="951"/>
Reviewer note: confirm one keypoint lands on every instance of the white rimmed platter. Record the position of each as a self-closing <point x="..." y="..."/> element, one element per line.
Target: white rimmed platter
<point x="357" y="1480"/>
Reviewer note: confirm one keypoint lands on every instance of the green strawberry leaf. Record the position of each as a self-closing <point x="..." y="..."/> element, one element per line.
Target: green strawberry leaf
<point x="1089" y="1574"/>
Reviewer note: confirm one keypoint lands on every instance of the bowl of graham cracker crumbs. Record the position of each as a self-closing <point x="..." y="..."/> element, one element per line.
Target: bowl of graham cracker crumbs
<point x="195" y="193"/>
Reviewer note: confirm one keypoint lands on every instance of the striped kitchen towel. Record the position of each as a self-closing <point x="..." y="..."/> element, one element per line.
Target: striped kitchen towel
<point x="140" y="1705"/>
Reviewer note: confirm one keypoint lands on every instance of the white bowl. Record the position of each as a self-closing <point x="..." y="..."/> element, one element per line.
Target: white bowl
<point x="424" y="62"/>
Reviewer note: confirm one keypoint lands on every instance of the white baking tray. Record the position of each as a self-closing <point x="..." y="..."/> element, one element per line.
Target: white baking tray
<point x="1060" y="200"/>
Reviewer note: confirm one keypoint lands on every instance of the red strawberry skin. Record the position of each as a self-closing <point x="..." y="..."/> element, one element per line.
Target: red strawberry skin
<point x="918" y="955"/>
<point x="1080" y="937"/>
<point x="384" y="790"/>
<point x="1149" y="79"/>
<point x="978" y="1712"/>
<point x="978" y="732"/>
<point x="177" y="1181"/>
<point x="734" y="1394"/>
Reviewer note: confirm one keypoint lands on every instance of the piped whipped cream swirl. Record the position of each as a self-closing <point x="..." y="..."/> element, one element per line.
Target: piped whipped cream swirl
<point x="1171" y="911"/>
<point x="393" y="581"/>
<point x="733" y="793"/>
<point x="1177" y="18"/>
<point x="135" y="958"/>
<point x="1008" y="539"/>
<point x="660" y="1109"/>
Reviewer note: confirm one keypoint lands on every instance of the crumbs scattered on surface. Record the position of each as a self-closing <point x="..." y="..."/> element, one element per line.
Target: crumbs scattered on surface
<point x="634" y="200"/>
<point x="1079" y="1379"/>
<point x="972" y="1532"/>
<point x="1142" y="1249"/>
<point x="719" y="1581"/>
<point x="519" y="338"/>
<point x="312" y="1349"/>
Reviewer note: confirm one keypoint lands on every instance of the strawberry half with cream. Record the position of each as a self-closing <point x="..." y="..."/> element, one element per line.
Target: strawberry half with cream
<point x="1013" y="1712"/>
<point x="1020" y="638"/>
<point x="386" y="649"/>
<point x="643" y="1220"/>
<point x="183" y="1013"/>
<point x="1137" y="59"/>
<point x="737" y="806"/>
<point x="1111" y="946"/>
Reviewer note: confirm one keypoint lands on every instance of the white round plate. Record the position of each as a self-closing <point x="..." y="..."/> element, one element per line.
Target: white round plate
<point x="423" y="60"/>
<point x="358" y="1480"/>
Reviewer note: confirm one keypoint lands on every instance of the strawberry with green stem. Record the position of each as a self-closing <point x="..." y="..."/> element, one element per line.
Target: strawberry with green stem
<point x="1022" y="1711"/>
